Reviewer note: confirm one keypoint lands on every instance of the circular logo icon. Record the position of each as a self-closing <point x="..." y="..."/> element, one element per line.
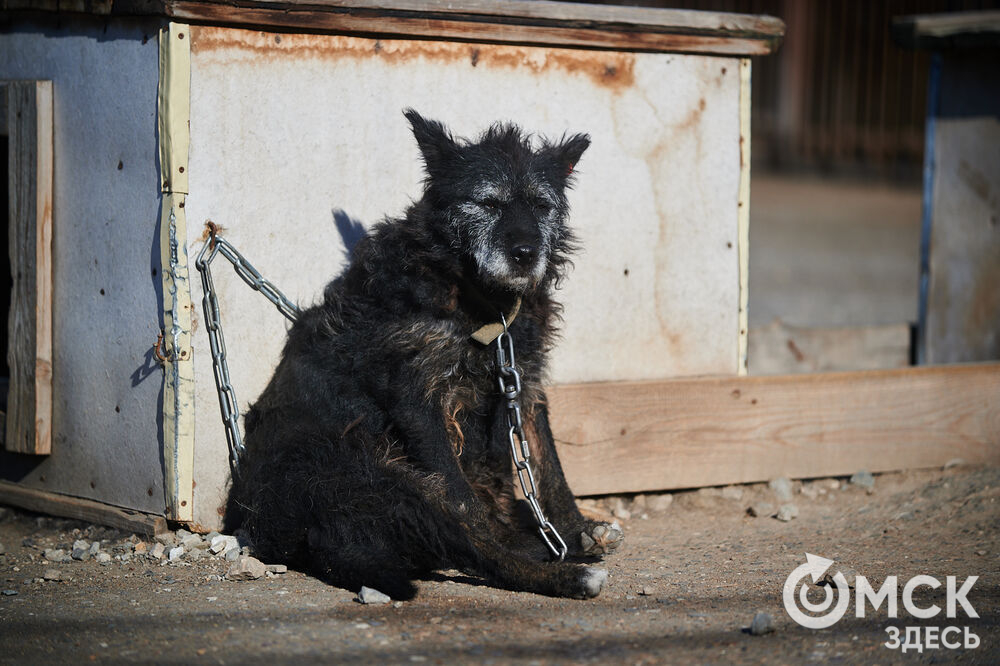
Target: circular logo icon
<point x="826" y="613"/>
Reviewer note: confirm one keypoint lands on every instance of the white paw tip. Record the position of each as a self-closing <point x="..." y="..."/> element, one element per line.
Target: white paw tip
<point x="593" y="581"/>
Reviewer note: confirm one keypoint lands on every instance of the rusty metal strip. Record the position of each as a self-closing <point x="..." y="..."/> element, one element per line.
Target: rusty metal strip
<point x="173" y="106"/>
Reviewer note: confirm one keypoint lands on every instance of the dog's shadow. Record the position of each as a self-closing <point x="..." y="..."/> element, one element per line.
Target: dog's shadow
<point x="350" y="229"/>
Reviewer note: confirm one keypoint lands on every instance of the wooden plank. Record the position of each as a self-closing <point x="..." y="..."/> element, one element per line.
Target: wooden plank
<point x="29" y="353"/>
<point x="520" y="21"/>
<point x="633" y="437"/>
<point x="779" y="348"/>
<point x="962" y="301"/>
<point x="173" y="122"/>
<point x="979" y="29"/>
<point x="81" y="509"/>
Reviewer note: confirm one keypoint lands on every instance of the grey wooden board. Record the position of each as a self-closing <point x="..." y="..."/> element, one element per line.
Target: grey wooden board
<point x="963" y="306"/>
<point x="104" y="238"/>
<point x="290" y="133"/>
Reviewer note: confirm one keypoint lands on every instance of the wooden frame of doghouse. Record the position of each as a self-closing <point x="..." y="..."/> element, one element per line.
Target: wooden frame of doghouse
<point x="644" y="424"/>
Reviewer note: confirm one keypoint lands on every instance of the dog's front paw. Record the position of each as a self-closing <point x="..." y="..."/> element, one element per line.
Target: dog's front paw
<point x="591" y="581"/>
<point x="601" y="538"/>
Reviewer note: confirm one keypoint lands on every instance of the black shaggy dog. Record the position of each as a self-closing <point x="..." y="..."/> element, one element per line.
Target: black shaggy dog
<point x="379" y="451"/>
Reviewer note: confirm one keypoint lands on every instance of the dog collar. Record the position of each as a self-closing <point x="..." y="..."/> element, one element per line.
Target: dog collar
<point x="484" y="335"/>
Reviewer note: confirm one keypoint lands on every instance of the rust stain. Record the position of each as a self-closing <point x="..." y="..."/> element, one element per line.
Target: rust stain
<point x="612" y="70"/>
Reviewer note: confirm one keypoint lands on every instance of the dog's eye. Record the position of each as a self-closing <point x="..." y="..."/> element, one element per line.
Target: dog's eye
<point x="491" y="204"/>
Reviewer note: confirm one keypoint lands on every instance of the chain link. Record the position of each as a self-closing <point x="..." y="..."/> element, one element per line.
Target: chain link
<point x="509" y="380"/>
<point x="217" y="341"/>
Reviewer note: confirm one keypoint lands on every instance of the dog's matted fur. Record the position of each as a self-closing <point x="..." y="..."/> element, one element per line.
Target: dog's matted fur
<point x="379" y="450"/>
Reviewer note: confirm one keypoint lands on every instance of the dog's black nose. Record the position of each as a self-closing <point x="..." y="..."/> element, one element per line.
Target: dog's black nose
<point x="523" y="254"/>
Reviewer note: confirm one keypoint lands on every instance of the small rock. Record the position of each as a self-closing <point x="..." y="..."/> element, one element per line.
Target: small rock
<point x="850" y="575"/>
<point x="782" y="488"/>
<point x="197" y="554"/>
<point x="102" y="558"/>
<point x="95" y="548"/>
<point x="176" y="553"/>
<point x="211" y="535"/>
<point x="246" y="568"/>
<point x="81" y="550"/>
<point x="182" y="534"/>
<point x="277" y="568"/>
<point x="52" y="574"/>
<point x="954" y="462"/>
<point x="638" y="502"/>
<point x="157" y="552"/>
<point x="761" y="510"/>
<point x="619" y="509"/>
<point x="141" y="547"/>
<point x="810" y="490"/>
<point x="166" y="539"/>
<point x="9" y="593"/>
<point x="659" y="502"/>
<point x="646" y="591"/>
<point x="732" y="493"/>
<point x="762" y="624"/>
<point x="787" y="512"/>
<point x="863" y="479"/>
<point x="191" y="541"/>
<point x="56" y="555"/>
<point x="368" y="595"/>
<point x="222" y="544"/>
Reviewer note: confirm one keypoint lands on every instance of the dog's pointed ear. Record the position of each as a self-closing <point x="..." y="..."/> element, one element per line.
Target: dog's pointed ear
<point x="567" y="153"/>
<point x="434" y="141"/>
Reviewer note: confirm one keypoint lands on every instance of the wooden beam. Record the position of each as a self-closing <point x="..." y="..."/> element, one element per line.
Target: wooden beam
<point x="81" y="509"/>
<point x="517" y="21"/>
<point x="626" y="437"/>
<point x="29" y="353"/>
<point x="949" y="30"/>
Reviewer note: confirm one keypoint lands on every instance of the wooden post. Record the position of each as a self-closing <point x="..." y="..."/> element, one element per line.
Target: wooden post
<point x="28" y="117"/>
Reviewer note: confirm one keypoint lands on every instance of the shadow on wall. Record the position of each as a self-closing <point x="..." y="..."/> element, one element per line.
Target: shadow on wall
<point x="351" y="230"/>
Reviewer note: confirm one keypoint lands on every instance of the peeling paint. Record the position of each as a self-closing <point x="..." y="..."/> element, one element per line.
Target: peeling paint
<point x="613" y="70"/>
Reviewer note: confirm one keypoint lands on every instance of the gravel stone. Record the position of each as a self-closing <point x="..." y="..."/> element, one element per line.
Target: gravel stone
<point x="732" y="493"/>
<point x="659" y="502"/>
<point x="56" y="555"/>
<point x="102" y="558"/>
<point x="9" y="593"/>
<point x="246" y="568"/>
<point x="761" y="510"/>
<point x="368" y="595"/>
<point x="787" y="512"/>
<point x="141" y="547"/>
<point x="863" y="479"/>
<point x="762" y="624"/>
<point x="191" y="541"/>
<point x="176" y="553"/>
<point x="277" y="568"/>
<point x="850" y="575"/>
<point x="782" y="488"/>
<point x="157" y="552"/>
<point x="52" y="574"/>
<point x="167" y="539"/>
<point x="222" y="544"/>
<point x="81" y="550"/>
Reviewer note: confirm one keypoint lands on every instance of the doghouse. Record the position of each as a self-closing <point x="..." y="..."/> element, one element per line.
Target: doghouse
<point x="132" y="125"/>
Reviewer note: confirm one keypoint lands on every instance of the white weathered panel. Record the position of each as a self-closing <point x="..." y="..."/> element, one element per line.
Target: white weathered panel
<point x="286" y="130"/>
<point x="105" y="251"/>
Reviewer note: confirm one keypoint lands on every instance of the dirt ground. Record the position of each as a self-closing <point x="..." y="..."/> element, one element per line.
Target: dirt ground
<point x="685" y="587"/>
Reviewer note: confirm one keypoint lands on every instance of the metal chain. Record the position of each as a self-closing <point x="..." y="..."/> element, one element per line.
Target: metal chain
<point x="213" y="322"/>
<point x="509" y="380"/>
